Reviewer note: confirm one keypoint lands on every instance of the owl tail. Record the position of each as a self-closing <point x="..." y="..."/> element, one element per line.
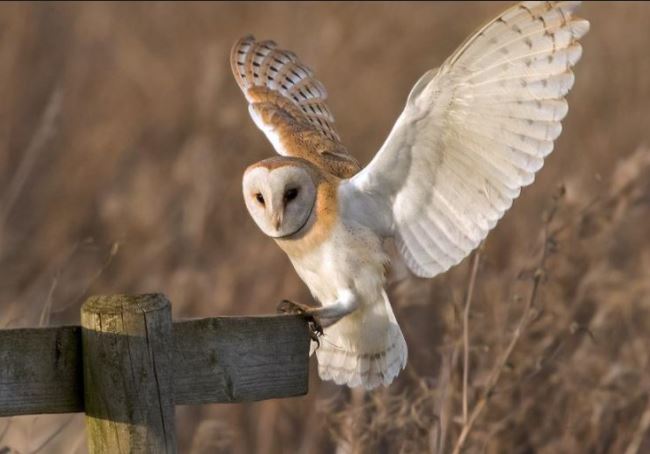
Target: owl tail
<point x="365" y="348"/>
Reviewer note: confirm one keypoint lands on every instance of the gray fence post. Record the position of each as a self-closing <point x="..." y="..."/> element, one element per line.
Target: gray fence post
<point x="127" y="349"/>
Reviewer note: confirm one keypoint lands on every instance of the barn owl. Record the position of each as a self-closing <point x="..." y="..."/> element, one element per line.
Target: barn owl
<point x="472" y="133"/>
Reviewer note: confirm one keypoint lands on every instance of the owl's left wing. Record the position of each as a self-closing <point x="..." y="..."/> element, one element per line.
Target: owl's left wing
<point x="288" y="104"/>
<point x="471" y="136"/>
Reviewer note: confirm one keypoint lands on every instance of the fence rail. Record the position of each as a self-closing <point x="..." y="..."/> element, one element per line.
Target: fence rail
<point x="128" y="363"/>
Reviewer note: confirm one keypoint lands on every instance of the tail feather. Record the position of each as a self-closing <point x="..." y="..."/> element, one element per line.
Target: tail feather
<point x="365" y="349"/>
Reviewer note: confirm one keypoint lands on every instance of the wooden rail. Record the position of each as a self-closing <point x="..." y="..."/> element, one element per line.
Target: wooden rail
<point x="128" y="365"/>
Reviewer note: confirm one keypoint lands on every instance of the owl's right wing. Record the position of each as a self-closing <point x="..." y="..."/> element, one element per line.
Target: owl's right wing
<point x="288" y="104"/>
<point x="471" y="136"/>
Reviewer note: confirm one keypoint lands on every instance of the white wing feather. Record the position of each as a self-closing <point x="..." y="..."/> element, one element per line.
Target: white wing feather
<point x="471" y="136"/>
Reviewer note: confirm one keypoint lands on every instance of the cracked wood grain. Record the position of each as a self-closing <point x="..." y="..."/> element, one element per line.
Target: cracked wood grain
<point x="127" y="349"/>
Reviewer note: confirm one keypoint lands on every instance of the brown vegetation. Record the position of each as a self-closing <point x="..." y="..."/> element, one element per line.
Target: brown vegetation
<point x="123" y="140"/>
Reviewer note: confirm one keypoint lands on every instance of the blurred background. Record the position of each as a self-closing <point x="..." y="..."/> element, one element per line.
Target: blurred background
<point x="123" y="139"/>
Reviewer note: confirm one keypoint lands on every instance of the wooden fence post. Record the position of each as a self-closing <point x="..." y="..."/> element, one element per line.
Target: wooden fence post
<point x="127" y="349"/>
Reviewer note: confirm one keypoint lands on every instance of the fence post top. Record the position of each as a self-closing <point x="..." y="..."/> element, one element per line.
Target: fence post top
<point x="115" y="304"/>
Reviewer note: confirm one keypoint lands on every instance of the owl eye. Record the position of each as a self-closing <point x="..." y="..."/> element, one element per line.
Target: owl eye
<point x="291" y="194"/>
<point x="260" y="198"/>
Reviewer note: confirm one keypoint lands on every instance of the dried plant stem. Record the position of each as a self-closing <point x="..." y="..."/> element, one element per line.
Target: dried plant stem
<point x="444" y="401"/>
<point x="639" y="433"/>
<point x="53" y="435"/>
<point x="5" y="429"/>
<point x="496" y="372"/>
<point x="468" y="301"/>
<point x="44" y="132"/>
<point x="501" y="364"/>
<point x="350" y="442"/>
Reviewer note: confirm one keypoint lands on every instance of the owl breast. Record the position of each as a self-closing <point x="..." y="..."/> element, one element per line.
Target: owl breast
<point x="351" y="258"/>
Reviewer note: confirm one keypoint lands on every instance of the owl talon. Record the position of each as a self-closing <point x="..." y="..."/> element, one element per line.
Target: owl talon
<point x="315" y="327"/>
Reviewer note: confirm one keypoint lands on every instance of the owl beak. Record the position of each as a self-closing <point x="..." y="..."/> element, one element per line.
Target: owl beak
<point x="277" y="221"/>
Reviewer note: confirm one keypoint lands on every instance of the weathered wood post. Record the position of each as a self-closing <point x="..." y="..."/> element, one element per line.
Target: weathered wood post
<point x="128" y="365"/>
<point x="127" y="349"/>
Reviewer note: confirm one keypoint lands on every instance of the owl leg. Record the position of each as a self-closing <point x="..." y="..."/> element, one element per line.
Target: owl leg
<point x="345" y="304"/>
<point x="324" y="316"/>
<point x="331" y="313"/>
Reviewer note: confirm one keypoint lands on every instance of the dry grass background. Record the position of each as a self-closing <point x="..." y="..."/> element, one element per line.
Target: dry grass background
<point x="123" y="139"/>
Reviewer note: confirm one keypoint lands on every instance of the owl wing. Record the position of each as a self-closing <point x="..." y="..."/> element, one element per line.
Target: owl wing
<point x="288" y="104"/>
<point x="472" y="134"/>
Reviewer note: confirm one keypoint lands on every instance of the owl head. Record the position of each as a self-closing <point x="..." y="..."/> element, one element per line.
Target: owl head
<point x="280" y="194"/>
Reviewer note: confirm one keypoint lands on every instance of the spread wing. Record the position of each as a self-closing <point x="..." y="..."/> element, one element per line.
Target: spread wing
<point x="471" y="136"/>
<point x="288" y="104"/>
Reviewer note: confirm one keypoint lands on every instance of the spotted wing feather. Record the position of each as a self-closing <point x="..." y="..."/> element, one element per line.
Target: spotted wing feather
<point x="289" y="105"/>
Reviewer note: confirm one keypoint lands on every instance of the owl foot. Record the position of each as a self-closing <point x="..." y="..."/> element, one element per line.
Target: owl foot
<point x="291" y="307"/>
<point x="315" y="327"/>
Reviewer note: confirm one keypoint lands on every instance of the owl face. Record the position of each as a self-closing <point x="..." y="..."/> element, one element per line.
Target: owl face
<point x="280" y="200"/>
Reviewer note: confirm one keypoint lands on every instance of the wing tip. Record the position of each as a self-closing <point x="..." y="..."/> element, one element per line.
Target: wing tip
<point x="582" y="27"/>
<point x="235" y="51"/>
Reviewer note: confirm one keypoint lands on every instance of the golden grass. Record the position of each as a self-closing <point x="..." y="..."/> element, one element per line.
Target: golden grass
<point x="122" y="144"/>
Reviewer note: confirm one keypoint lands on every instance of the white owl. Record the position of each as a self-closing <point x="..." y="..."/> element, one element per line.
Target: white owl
<point x="472" y="134"/>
